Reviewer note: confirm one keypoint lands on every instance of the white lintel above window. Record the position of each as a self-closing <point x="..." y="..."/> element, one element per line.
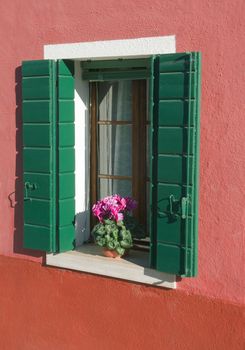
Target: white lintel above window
<point x="109" y="49"/>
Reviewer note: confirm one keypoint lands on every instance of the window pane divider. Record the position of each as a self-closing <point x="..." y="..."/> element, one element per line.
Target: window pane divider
<point x="114" y="177"/>
<point x="114" y="122"/>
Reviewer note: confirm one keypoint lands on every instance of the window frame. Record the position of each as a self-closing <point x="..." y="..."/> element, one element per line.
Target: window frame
<point x="174" y="109"/>
<point x="131" y="48"/>
<point x="138" y="123"/>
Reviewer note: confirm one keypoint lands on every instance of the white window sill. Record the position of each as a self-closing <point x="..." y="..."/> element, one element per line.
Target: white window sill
<point x="89" y="258"/>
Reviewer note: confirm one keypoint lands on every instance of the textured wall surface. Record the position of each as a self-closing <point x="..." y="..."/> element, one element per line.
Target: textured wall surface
<point x="62" y="310"/>
<point x="216" y="28"/>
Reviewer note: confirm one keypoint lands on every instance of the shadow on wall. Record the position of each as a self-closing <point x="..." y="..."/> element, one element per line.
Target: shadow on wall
<point x="16" y="197"/>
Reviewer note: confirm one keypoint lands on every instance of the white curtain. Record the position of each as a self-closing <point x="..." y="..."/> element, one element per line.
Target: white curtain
<point x="115" y="141"/>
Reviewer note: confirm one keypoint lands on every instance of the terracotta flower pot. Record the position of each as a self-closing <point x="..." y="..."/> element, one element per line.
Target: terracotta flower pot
<point x="111" y="253"/>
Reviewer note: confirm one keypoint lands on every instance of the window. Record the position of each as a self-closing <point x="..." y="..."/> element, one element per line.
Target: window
<point x="173" y="99"/>
<point x="118" y="141"/>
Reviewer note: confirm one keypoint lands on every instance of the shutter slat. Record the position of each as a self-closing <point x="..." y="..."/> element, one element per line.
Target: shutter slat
<point x="64" y="190"/>
<point x="37" y="68"/>
<point x="174" y="140"/>
<point x="174" y="113"/>
<point x="66" y="213"/>
<point x="37" y="212"/>
<point x="43" y="181"/>
<point x="36" y="135"/>
<point x="36" y="237"/>
<point x="37" y="160"/>
<point x="172" y="168"/>
<point x="175" y="163"/>
<point x="174" y="85"/>
<point x="37" y="88"/>
<point x="66" y="111"/>
<point x="66" y="160"/>
<point x="42" y="111"/>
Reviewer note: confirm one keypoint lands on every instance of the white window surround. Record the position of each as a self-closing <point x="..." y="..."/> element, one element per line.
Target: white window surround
<point x="85" y="259"/>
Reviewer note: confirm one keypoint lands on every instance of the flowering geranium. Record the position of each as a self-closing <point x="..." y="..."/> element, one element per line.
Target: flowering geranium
<point x="117" y="227"/>
<point x="113" y="207"/>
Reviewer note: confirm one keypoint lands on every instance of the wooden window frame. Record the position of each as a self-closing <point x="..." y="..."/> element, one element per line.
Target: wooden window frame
<point x="139" y="139"/>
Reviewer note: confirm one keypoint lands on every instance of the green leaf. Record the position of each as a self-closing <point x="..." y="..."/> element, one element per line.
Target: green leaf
<point x="126" y="244"/>
<point x="120" y="250"/>
<point x="101" y="242"/>
<point x="111" y="245"/>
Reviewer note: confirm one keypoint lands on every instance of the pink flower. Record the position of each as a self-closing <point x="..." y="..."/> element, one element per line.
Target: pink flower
<point x="113" y="207"/>
<point x="120" y="217"/>
<point x="123" y="203"/>
<point x="131" y="203"/>
<point x="96" y="210"/>
<point x="114" y="213"/>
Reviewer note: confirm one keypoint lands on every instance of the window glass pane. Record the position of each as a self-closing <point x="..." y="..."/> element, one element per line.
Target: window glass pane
<point x="115" y="100"/>
<point x="115" y="150"/>
<point x="108" y="187"/>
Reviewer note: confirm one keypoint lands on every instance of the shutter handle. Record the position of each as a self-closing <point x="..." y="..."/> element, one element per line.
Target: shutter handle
<point x="172" y="200"/>
<point x="29" y="186"/>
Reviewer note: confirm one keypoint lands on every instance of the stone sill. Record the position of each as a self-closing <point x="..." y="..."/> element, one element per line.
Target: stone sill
<point x="135" y="267"/>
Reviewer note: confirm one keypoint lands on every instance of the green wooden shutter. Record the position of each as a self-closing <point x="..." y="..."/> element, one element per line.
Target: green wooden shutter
<point x="45" y="150"/>
<point x="175" y="158"/>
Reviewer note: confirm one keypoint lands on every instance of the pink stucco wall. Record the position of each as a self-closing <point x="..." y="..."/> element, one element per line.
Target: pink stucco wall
<point x="214" y="27"/>
<point x="47" y="308"/>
